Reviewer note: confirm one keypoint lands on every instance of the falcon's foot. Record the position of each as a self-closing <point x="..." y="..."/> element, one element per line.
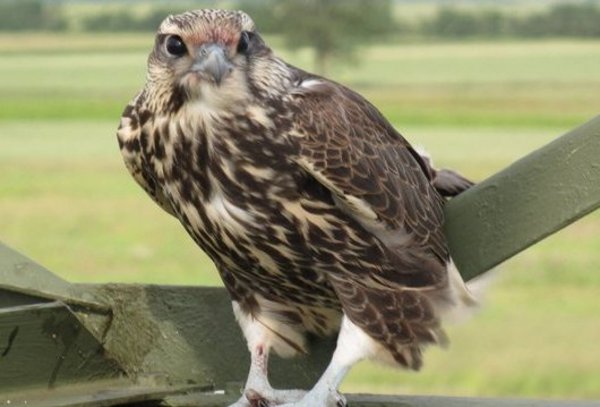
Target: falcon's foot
<point x="319" y="398"/>
<point x="353" y="344"/>
<point x="269" y="398"/>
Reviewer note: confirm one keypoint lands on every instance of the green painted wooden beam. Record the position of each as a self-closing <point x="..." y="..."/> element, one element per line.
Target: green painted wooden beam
<point x="44" y="345"/>
<point x="24" y="276"/>
<point x="189" y="335"/>
<point x="531" y="199"/>
<point x="371" y="400"/>
<point x="103" y="393"/>
<point x="97" y="393"/>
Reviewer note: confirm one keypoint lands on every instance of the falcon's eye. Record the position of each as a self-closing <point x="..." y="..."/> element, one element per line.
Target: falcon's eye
<point x="244" y="43"/>
<point x="175" y="46"/>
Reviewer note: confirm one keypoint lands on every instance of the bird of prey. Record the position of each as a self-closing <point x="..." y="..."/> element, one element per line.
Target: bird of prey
<point x="320" y="217"/>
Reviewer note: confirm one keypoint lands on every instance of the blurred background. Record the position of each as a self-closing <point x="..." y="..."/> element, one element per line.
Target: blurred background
<point x="478" y="83"/>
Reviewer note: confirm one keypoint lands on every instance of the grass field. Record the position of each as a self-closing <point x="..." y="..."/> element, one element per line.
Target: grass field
<point x="67" y="201"/>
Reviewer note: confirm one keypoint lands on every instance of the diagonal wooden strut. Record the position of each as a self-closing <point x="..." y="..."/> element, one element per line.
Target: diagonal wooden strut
<point x="526" y="202"/>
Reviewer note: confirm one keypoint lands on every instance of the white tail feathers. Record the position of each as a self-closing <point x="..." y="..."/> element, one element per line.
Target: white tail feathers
<point x="464" y="299"/>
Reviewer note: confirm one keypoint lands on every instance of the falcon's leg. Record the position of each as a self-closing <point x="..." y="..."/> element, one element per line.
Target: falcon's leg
<point x="353" y="345"/>
<point x="257" y="383"/>
<point x="258" y="391"/>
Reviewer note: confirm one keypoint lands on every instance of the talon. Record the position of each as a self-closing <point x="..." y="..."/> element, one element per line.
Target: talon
<point x="340" y="400"/>
<point x="256" y="399"/>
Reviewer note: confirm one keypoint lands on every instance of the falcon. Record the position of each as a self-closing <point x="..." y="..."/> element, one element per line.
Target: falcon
<point x="319" y="216"/>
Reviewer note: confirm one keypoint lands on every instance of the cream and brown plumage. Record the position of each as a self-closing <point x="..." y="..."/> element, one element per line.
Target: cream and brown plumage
<point x="317" y="213"/>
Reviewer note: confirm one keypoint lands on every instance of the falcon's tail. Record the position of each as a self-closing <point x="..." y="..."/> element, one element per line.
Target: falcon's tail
<point x="462" y="299"/>
<point x="463" y="302"/>
<point x="447" y="182"/>
<point x="450" y="183"/>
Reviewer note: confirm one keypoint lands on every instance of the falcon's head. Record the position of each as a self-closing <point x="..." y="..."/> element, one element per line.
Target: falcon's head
<point x="214" y="57"/>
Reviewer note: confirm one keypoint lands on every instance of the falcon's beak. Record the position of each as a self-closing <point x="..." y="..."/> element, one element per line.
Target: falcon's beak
<point x="212" y="60"/>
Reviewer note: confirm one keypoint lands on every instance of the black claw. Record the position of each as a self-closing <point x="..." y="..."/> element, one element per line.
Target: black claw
<point x="341" y="401"/>
<point x="256" y="399"/>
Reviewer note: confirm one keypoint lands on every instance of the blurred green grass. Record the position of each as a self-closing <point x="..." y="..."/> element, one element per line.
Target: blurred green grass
<point x="67" y="201"/>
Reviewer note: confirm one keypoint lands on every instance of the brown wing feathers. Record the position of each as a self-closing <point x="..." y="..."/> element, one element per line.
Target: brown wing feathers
<point x="355" y="153"/>
<point x="359" y="154"/>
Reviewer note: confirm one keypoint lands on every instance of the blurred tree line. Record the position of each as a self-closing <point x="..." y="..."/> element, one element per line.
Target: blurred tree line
<point x="560" y="20"/>
<point x="315" y="20"/>
<point x="30" y="15"/>
<point x="332" y="28"/>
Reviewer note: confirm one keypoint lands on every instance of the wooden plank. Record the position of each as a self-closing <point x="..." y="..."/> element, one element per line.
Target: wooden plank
<point x="45" y="345"/>
<point x="13" y="299"/>
<point x="22" y="275"/>
<point x="190" y="335"/>
<point x="368" y="400"/>
<point x="363" y="400"/>
<point x="99" y="393"/>
<point x="104" y="393"/>
<point x="531" y="199"/>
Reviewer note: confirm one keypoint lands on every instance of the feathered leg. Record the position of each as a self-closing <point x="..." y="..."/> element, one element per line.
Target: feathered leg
<point x="258" y="391"/>
<point x="353" y="345"/>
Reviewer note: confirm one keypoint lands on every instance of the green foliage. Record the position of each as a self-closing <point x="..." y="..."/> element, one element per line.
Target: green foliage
<point x="452" y="22"/>
<point x="111" y="21"/>
<point x="332" y="28"/>
<point x="21" y="15"/>
<point x="124" y="20"/>
<point x="560" y="20"/>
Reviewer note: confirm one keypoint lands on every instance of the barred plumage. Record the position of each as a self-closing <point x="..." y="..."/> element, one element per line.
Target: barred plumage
<point x="309" y="202"/>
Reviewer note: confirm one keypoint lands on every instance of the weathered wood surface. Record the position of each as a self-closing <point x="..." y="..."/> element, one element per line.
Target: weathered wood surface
<point x="45" y="332"/>
<point x="97" y="393"/>
<point x="110" y="393"/>
<point x="191" y="334"/>
<point x="22" y="275"/>
<point x="370" y="400"/>
<point x="45" y="345"/>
